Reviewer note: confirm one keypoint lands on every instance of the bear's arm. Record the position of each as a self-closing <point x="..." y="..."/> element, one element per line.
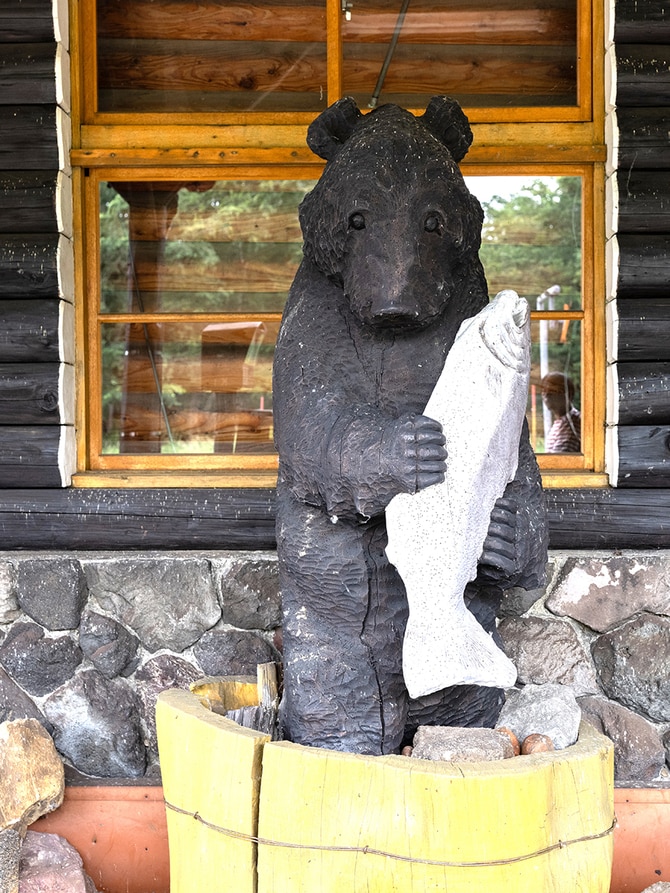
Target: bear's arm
<point x="337" y="448"/>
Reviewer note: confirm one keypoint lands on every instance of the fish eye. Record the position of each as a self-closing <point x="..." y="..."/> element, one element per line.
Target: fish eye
<point x="432" y="223"/>
<point x="357" y="221"/>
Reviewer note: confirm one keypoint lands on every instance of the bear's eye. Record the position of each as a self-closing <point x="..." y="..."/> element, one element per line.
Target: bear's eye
<point x="357" y="221"/>
<point x="432" y="223"/>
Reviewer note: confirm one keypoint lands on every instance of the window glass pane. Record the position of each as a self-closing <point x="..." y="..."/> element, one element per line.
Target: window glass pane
<point x="199" y="247"/>
<point x="491" y="53"/>
<point x="532" y="238"/>
<point x="187" y="387"/>
<point x="205" y="55"/>
<point x="554" y="399"/>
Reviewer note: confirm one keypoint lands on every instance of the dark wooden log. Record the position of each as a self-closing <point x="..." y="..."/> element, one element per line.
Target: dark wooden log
<point x="137" y="519"/>
<point x="644" y="201"/>
<point x="26" y="21"/>
<point x="29" y="456"/>
<point x="28" y="265"/>
<point x="29" y="394"/>
<point x="644" y="456"/>
<point x="28" y="138"/>
<point x="28" y="73"/>
<point x="29" y="331"/>
<point x="644" y="138"/>
<point x="644" y="266"/>
<point x="644" y="329"/>
<point x="609" y="518"/>
<point x="28" y="202"/>
<point x="244" y="519"/>
<point x="642" y="22"/>
<point x="643" y="75"/>
<point x="643" y="393"/>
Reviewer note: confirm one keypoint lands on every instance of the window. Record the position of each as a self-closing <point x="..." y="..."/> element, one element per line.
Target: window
<point x="190" y="157"/>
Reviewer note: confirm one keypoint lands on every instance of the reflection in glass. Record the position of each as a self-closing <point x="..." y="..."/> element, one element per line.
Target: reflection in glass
<point x="193" y="249"/>
<point x="554" y="416"/>
<point x="183" y="56"/>
<point x="524" y="54"/>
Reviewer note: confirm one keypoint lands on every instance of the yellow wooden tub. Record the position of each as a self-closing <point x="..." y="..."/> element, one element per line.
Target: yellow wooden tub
<point x="248" y="814"/>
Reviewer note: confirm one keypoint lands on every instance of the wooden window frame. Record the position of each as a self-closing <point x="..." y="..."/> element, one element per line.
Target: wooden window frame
<point x="544" y="140"/>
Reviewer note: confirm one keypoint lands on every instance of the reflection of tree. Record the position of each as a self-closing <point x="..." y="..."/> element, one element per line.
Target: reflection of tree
<point x="532" y="240"/>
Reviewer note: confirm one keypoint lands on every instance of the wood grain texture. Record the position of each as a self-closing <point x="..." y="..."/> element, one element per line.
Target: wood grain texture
<point x="29" y="266"/>
<point x="643" y="75"/>
<point x="644" y="201"/>
<point x="643" y="393"/>
<point x="646" y="22"/>
<point x="644" y="137"/>
<point x="644" y="456"/>
<point x="644" y="329"/>
<point x="28" y="138"/>
<point x="29" y="331"/>
<point x="28" y="73"/>
<point x="29" y="456"/>
<point x="26" y="21"/>
<point x="643" y="266"/>
<point x="28" y="202"/>
<point x="29" y="393"/>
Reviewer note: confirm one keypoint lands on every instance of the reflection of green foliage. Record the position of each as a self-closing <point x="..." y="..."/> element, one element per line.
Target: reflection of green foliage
<point x="532" y="240"/>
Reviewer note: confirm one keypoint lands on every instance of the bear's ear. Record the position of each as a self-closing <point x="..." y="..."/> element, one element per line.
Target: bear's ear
<point x="447" y="121"/>
<point x="329" y="132"/>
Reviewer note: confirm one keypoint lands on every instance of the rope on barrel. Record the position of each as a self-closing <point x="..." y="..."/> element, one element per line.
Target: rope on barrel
<point x="372" y="851"/>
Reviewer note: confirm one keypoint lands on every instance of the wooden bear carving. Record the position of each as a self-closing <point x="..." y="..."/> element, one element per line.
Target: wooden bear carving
<point x="390" y="270"/>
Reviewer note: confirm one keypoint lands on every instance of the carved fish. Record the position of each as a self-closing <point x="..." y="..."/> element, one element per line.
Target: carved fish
<point x="436" y="536"/>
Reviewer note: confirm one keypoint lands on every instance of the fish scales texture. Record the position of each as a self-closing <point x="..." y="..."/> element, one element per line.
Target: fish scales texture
<point x="436" y="536"/>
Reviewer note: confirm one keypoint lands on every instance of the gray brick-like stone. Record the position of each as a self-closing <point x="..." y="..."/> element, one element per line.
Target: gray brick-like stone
<point x="638" y="750"/>
<point x="106" y="740"/>
<point x="632" y="663"/>
<point x="545" y="650"/>
<point x="168" y="603"/>
<point x="52" y="591"/>
<point x="233" y="653"/>
<point x="108" y="645"/>
<point x="603" y="592"/>
<point x="39" y="664"/>
<point x="9" y="607"/>
<point x="249" y="591"/>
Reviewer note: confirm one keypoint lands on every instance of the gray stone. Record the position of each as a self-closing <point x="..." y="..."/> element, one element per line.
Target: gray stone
<point x="52" y="591"/>
<point x="157" y="675"/>
<point x="108" y="645"/>
<point x="106" y="738"/>
<point x="603" y="592"/>
<point x="49" y="864"/>
<point x="638" y="751"/>
<point x="10" y="852"/>
<point x="461" y="745"/>
<point x="659" y="887"/>
<point x="15" y="703"/>
<point x="9" y="607"/>
<point x="167" y="603"/>
<point x="37" y="663"/>
<point x="233" y="652"/>
<point x="666" y="745"/>
<point x="516" y="601"/>
<point x="249" y="591"/>
<point x="33" y="779"/>
<point x="549" y="709"/>
<point x="548" y="651"/>
<point x="632" y="663"/>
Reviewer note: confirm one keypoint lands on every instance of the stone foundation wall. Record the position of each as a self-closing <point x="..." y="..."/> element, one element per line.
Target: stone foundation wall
<point x="87" y="640"/>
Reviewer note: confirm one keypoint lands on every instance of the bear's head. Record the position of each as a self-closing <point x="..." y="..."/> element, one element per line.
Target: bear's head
<point x="391" y="219"/>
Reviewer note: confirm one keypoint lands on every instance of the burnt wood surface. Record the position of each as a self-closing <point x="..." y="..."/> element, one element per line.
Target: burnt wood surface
<point x="28" y="265"/>
<point x="29" y="456"/>
<point x="643" y="75"/>
<point x="642" y="21"/>
<point x="644" y="201"/>
<point x="27" y="73"/>
<point x="28" y="202"/>
<point x="29" y="331"/>
<point x="29" y="393"/>
<point x="26" y="21"/>
<point x="644" y="456"/>
<point x="244" y="519"/>
<point x="644" y="265"/>
<point x="644" y="138"/>
<point x="644" y="329"/>
<point x="28" y="138"/>
<point x="643" y="393"/>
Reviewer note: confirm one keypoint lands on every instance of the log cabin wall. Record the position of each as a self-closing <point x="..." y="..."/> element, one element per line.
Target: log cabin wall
<point x="38" y="509"/>
<point x="36" y="270"/>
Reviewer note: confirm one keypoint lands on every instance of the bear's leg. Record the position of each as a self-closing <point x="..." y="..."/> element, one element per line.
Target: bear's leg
<point x="335" y="673"/>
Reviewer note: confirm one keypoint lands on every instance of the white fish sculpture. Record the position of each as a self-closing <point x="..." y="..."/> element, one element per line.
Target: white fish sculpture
<point x="436" y="536"/>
